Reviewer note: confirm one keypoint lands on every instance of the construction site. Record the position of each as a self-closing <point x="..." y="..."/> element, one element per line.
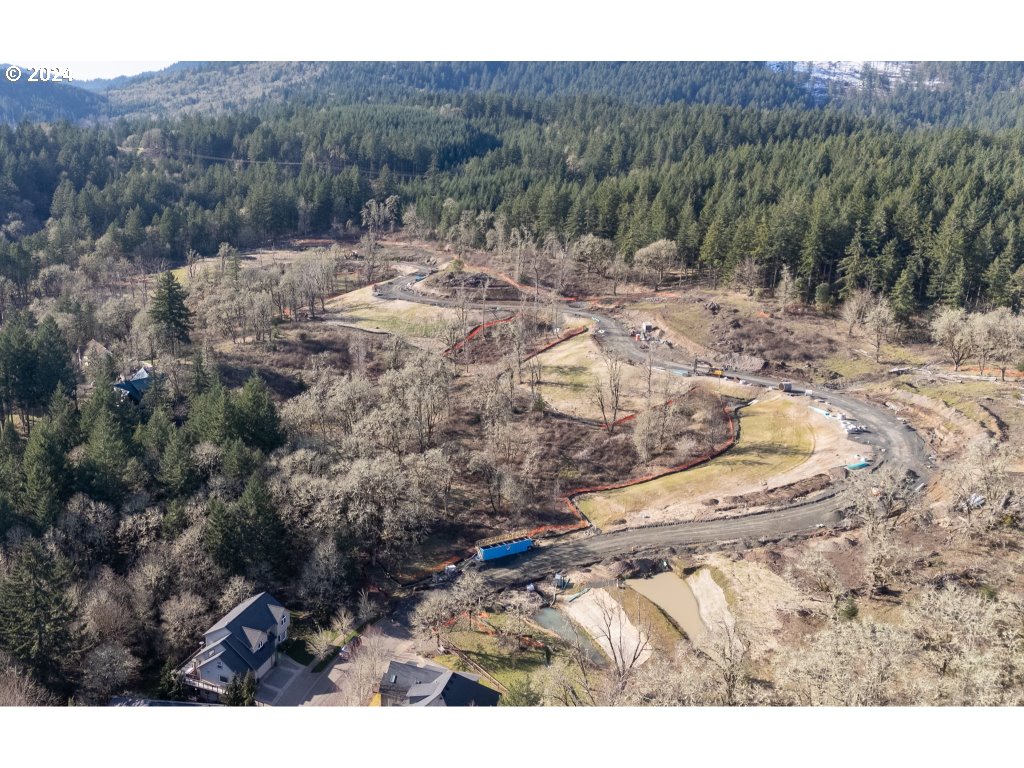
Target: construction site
<point x="626" y="476"/>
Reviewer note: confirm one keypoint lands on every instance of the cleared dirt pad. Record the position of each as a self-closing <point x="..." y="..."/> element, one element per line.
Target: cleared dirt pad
<point x="781" y="441"/>
<point x="602" y="618"/>
<point x="714" y="608"/>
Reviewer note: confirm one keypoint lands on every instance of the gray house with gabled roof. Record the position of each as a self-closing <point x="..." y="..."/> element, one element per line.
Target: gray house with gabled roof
<point x="136" y="385"/>
<point x="244" y="640"/>
<point x="410" y="685"/>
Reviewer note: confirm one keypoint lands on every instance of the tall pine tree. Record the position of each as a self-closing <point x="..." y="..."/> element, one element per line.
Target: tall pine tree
<point x="168" y="311"/>
<point x="39" y="624"/>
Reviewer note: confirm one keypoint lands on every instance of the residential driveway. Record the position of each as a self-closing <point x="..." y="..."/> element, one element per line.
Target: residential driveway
<point x="329" y="687"/>
<point x="280" y="678"/>
<point x="332" y="689"/>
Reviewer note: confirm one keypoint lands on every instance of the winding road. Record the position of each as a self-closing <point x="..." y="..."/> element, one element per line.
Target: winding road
<point x="890" y="438"/>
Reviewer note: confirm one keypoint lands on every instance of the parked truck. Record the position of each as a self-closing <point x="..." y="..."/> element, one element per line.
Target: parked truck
<point x="486" y="552"/>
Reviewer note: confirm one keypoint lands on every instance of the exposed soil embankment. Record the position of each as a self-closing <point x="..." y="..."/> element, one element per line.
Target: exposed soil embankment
<point x="475" y="286"/>
<point x="785" y="450"/>
<point x="663" y="330"/>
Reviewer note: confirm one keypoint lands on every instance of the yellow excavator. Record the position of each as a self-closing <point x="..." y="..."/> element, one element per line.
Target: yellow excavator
<point x="704" y="368"/>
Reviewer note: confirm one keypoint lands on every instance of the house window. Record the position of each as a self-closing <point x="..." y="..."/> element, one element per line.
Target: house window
<point x="223" y="679"/>
<point x="220" y="665"/>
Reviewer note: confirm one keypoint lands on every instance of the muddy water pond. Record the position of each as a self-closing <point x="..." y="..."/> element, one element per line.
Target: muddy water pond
<point x="556" y="621"/>
<point x="674" y="596"/>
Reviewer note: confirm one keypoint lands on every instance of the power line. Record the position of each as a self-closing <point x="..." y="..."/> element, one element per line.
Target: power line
<point x="367" y="171"/>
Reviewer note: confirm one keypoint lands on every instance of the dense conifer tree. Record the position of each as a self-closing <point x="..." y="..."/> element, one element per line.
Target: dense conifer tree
<point x="169" y="313"/>
<point x="39" y="624"/>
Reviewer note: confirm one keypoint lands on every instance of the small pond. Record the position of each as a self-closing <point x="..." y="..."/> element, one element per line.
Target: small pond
<point x="674" y="596"/>
<point x="555" y="620"/>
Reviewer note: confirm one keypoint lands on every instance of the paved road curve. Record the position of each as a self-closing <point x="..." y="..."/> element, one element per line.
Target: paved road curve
<point x="891" y="440"/>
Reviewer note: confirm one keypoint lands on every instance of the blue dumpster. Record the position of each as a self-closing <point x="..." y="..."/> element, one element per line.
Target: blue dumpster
<point x="504" y="548"/>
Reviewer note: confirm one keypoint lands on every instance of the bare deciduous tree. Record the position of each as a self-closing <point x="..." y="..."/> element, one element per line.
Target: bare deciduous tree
<point x="343" y="621"/>
<point x="654" y="260"/>
<point x="183" y="617"/>
<point x="747" y="275"/>
<point x="855" y="309"/>
<point x="645" y="435"/>
<point x="109" y="669"/>
<point x="434" y="615"/>
<point x="785" y="291"/>
<point x="879" y="321"/>
<point x="984" y="494"/>
<point x="18" y="689"/>
<point x="321" y="643"/>
<point x="954" y="334"/>
<point x="848" y="663"/>
<point x="517" y="608"/>
<point x="606" y="394"/>
<point x="880" y="502"/>
<point x="369" y="660"/>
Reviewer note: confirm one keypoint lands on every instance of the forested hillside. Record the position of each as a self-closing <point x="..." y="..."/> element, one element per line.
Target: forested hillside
<point x="311" y="427"/>
<point x="972" y="94"/>
<point x="928" y="215"/>
<point x="46" y="102"/>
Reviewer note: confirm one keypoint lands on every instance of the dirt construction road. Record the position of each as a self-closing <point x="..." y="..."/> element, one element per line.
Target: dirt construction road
<point x="890" y="440"/>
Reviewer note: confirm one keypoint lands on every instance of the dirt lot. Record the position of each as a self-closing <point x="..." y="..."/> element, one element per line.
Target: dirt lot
<point x="746" y="332"/>
<point x="475" y="286"/>
<point x="781" y="441"/>
<point x="589" y="612"/>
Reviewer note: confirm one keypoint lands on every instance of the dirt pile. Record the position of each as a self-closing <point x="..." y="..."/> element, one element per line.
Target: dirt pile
<point x="477" y="286"/>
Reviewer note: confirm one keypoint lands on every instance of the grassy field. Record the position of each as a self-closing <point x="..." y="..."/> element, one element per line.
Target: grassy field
<point x="774" y="437"/>
<point x="505" y="664"/>
<point x="859" y="362"/>
<point x="404" y="318"/>
<point x="262" y="257"/>
<point x="570" y="370"/>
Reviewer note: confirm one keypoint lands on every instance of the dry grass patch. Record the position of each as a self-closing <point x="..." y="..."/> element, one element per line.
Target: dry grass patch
<point x="362" y="309"/>
<point x="570" y="370"/>
<point x="776" y="436"/>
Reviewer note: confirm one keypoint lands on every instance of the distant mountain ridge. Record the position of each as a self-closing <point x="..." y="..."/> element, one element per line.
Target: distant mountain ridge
<point x="101" y="84"/>
<point x="914" y="93"/>
<point x="46" y="102"/>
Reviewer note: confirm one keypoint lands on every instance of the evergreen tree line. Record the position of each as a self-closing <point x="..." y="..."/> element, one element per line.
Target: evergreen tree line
<point x="926" y="214"/>
<point x="87" y="489"/>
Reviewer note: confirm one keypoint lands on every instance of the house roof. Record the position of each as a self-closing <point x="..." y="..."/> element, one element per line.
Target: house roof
<point x="431" y="686"/>
<point x="132" y="701"/>
<point x="241" y="639"/>
<point x="136" y="385"/>
<point x="94" y="348"/>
